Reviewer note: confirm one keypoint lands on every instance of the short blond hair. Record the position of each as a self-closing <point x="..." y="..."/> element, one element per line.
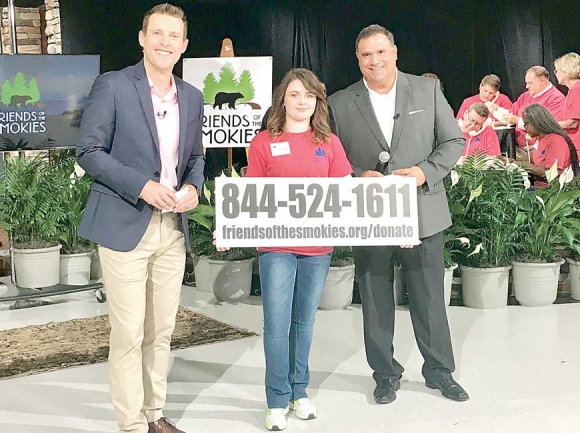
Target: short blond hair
<point x="166" y="9"/>
<point x="570" y="64"/>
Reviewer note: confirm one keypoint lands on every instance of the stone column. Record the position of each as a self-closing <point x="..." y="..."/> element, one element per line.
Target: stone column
<point x="53" y="27"/>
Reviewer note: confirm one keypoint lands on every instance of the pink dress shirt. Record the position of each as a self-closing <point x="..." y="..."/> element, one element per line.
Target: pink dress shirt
<point x="166" y="111"/>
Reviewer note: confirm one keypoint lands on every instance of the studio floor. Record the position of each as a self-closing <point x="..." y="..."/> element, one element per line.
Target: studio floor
<point x="520" y="365"/>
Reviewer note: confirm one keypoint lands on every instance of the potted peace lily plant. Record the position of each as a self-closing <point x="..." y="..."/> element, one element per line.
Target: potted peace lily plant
<point x="546" y="220"/>
<point x="76" y="253"/>
<point x="454" y="237"/>
<point x="228" y="274"/>
<point x="484" y="205"/>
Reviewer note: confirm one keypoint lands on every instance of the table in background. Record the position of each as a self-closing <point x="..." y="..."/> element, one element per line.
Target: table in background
<point x="507" y="140"/>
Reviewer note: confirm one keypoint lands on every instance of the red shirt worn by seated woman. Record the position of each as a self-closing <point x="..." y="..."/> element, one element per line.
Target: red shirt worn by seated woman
<point x="571" y="110"/>
<point x="552" y="148"/>
<point x="296" y="155"/>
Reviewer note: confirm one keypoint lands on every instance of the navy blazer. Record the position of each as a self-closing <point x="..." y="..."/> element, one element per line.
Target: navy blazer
<point x="119" y="148"/>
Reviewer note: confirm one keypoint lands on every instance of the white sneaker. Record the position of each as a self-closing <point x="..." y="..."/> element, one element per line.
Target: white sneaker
<point x="276" y="419"/>
<point x="304" y="408"/>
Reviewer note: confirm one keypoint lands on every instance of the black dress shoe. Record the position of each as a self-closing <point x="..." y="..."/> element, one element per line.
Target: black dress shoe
<point x="385" y="391"/>
<point x="449" y="388"/>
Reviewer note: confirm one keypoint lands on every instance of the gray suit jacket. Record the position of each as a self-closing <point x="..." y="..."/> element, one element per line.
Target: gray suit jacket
<point x="119" y="147"/>
<point x="425" y="134"/>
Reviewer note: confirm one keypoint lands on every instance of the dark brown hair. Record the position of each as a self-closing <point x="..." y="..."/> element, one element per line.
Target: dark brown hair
<point x="480" y="109"/>
<point x="319" y="120"/>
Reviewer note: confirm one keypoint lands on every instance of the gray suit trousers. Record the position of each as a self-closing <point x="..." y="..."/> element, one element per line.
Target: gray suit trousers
<point x="423" y="269"/>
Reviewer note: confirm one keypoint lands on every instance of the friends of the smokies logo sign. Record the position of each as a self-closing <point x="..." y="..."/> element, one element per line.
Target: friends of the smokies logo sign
<point x="21" y="111"/>
<point x="237" y="91"/>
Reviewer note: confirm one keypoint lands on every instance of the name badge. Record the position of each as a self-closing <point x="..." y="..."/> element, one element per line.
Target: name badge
<point x="279" y="149"/>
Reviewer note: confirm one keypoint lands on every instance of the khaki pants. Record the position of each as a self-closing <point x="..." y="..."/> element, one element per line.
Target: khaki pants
<point x="143" y="288"/>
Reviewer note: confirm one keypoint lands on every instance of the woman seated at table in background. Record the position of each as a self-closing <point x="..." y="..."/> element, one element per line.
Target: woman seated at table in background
<point x="488" y="94"/>
<point x="553" y="145"/>
<point x="567" y="70"/>
<point x="479" y="136"/>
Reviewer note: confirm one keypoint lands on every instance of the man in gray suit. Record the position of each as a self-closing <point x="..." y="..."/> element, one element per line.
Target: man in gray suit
<point x="408" y="117"/>
<point x="141" y="141"/>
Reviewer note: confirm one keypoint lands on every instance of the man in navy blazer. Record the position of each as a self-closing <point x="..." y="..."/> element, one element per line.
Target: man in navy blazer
<point x="141" y="141"/>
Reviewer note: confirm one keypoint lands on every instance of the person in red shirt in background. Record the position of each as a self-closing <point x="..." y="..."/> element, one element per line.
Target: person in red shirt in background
<point x="435" y="77"/>
<point x="567" y="70"/>
<point x="479" y="136"/>
<point x="554" y="145"/>
<point x="297" y="143"/>
<point x="540" y="91"/>
<point x="488" y="94"/>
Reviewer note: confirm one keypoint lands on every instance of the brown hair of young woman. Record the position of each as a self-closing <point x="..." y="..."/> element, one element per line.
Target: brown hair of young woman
<point x="318" y="122"/>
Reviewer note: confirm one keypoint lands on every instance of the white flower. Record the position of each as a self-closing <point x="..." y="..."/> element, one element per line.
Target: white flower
<point x="79" y="170"/>
<point x="476" y="250"/>
<point x="552" y="172"/>
<point x="460" y="161"/>
<point x="541" y="200"/>
<point x="76" y="174"/>
<point x="206" y="193"/>
<point x="464" y="241"/>
<point x="566" y="177"/>
<point x="454" y="177"/>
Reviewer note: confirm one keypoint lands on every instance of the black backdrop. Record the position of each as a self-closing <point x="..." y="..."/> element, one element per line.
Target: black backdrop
<point x="459" y="40"/>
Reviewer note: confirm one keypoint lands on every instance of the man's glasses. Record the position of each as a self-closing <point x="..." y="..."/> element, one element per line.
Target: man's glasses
<point x="475" y="122"/>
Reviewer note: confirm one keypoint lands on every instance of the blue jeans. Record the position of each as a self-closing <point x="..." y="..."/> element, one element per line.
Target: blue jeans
<point x="291" y="289"/>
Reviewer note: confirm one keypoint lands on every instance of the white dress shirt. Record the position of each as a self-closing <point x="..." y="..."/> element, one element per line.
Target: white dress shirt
<point x="384" y="108"/>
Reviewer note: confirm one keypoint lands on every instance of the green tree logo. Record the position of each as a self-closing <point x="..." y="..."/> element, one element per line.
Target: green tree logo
<point x="246" y="87"/>
<point x="228" y="82"/>
<point x="19" y="92"/>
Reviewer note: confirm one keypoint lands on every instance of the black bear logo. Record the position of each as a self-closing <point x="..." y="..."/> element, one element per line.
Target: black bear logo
<point x="19" y="100"/>
<point x="229" y="98"/>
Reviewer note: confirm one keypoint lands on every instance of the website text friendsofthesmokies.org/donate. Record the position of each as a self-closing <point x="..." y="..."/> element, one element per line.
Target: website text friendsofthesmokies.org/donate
<point x="324" y="231"/>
